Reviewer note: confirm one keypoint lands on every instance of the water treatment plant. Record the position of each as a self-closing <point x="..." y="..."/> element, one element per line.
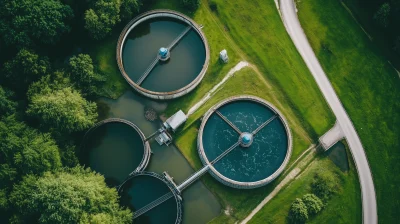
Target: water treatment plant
<point x="244" y="142"/>
<point x="199" y="111"/>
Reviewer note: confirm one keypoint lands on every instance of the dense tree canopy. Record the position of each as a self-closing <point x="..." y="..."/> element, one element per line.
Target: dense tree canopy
<point x="102" y="17"/>
<point x="23" y="150"/>
<point x="83" y="73"/>
<point x="68" y="196"/>
<point x="7" y="106"/>
<point x="64" y="109"/>
<point x="24" y="68"/>
<point x="129" y="8"/>
<point x="23" y="22"/>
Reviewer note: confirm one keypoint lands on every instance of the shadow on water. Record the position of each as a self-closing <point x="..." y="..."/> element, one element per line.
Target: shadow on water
<point x="199" y="204"/>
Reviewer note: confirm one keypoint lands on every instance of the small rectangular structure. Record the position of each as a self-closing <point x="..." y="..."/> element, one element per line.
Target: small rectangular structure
<point x="331" y="137"/>
<point x="164" y="138"/>
<point x="223" y="55"/>
<point x="175" y="121"/>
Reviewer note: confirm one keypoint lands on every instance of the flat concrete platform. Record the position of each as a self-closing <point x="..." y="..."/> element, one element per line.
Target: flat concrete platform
<point x="331" y="137"/>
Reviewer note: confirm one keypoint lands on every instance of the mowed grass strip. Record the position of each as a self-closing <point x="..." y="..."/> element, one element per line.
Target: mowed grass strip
<point x="369" y="89"/>
<point x="344" y="207"/>
<point x="257" y="29"/>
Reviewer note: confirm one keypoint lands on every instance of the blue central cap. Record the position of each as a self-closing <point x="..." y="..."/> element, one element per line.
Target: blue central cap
<point x="246" y="138"/>
<point x="163" y="51"/>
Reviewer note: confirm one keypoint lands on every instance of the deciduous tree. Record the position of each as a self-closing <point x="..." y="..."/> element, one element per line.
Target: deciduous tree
<point x="63" y="109"/>
<point x="313" y="203"/>
<point x="69" y="196"/>
<point x="102" y="17"/>
<point x="298" y="212"/>
<point x="7" y="106"/>
<point x="25" y="68"/>
<point x="83" y="73"/>
<point x="129" y="8"/>
<point x="325" y="184"/>
<point x="23" y="22"/>
<point x="23" y="150"/>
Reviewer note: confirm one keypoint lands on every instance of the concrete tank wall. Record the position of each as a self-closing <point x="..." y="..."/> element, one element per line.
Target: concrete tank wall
<point x="158" y="14"/>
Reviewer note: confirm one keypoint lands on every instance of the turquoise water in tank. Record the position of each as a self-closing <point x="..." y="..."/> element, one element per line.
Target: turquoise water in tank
<point x="264" y="156"/>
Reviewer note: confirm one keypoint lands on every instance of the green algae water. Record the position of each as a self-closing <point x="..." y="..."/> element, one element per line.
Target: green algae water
<point x="264" y="156"/>
<point x="114" y="150"/>
<point x="199" y="204"/>
<point x="142" y="190"/>
<point x="143" y="43"/>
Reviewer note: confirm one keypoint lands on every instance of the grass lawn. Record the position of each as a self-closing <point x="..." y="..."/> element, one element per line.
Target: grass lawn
<point x="256" y="27"/>
<point x="369" y="89"/>
<point x="344" y="207"/>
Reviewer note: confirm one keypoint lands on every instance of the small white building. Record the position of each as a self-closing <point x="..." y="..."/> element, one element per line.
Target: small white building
<point x="223" y="55"/>
<point x="164" y="138"/>
<point x="175" y="121"/>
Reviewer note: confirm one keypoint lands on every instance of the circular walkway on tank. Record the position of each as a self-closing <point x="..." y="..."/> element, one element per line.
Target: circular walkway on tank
<point x="141" y="192"/>
<point x="115" y="148"/>
<point x="245" y="141"/>
<point x="162" y="54"/>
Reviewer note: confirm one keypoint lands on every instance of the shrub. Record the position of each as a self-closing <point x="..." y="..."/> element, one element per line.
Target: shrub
<point x="298" y="211"/>
<point x="325" y="184"/>
<point x="213" y="5"/>
<point x="313" y="203"/>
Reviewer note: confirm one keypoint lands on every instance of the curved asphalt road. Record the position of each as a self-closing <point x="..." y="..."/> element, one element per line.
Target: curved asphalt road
<point x="293" y="27"/>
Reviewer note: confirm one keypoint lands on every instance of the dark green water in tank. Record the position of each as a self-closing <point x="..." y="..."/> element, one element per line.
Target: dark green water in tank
<point x="141" y="48"/>
<point x="141" y="191"/>
<point x="262" y="158"/>
<point x="114" y="150"/>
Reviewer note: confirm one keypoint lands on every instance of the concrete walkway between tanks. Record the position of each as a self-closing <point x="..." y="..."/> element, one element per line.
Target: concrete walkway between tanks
<point x="293" y="27"/>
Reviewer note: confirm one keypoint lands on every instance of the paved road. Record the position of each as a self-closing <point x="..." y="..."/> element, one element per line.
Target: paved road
<point x="293" y="27"/>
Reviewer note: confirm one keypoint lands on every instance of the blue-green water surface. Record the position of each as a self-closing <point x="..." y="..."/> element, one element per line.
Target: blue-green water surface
<point x="262" y="158"/>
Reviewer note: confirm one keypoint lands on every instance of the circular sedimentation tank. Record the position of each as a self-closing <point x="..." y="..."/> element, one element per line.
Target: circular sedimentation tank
<point x="143" y="188"/>
<point x="162" y="54"/>
<point x="261" y="142"/>
<point x="115" y="148"/>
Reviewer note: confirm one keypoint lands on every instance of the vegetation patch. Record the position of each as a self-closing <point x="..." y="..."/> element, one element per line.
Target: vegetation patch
<point x="369" y="89"/>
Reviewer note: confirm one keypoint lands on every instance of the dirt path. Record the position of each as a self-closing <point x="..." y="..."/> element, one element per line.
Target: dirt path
<point x="215" y="89"/>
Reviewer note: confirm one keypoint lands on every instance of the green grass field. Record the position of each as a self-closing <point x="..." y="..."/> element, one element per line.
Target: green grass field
<point x="369" y="89"/>
<point x="345" y="207"/>
<point x="258" y="30"/>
